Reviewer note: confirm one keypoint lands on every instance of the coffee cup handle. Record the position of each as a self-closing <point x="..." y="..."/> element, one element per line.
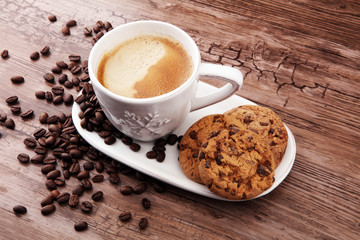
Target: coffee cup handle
<point x="231" y="75"/>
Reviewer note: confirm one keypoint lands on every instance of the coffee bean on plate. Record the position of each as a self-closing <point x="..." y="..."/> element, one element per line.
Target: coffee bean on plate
<point x="151" y="154"/>
<point x="135" y="147"/>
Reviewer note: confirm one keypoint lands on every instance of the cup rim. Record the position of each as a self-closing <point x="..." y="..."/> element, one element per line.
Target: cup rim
<point x="191" y="78"/>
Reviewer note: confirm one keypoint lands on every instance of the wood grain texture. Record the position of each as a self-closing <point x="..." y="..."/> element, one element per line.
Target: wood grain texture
<point x="299" y="58"/>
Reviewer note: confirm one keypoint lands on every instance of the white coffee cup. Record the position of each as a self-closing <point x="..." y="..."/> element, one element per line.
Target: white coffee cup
<point x="148" y="119"/>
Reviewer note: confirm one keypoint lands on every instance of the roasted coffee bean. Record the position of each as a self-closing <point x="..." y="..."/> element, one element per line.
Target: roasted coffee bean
<point x="45" y="51"/>
<point x="58" y="151"/>
<point x="126" y="190"/>
<point x="71" y="23"/>
<point x="49" y="77"/>
<point x="86" y="206"/>
<point x="17" y="79"/>
<point x="127" y="140"/>
<point x="75" y="153"/>
<point x="47" y="168"/>
<point x="19" y="209"/>
<point x="140" y="188"/>
<point x="52" y="18"/>
<point x="98" y="178"/>
<point x="97" y="196"/>
<point x="40" y="150"/>
<point x="15" y="109"/>
<point x="107" y="26"/>
<point x="96" y="29"/>
<point x="53" y="174"/>
<point x="85" y="78"/>
<point x="37" y="159"/>
<point x="48" y="96"/>
<point x="35" y="56"/>
<point x="30" y="142"/>
<point x="50" y="141"/>
<point x="50" y="184"/>
<point x="73" y="200"/>
<point x="146" y="203"/>
<point x="109" y="140"/>
<point x="158" y="148"/>
<point x="87" y="31"/>
<point x="74" y="58"/>
<point x="171" y="139"/>
<point x="48" y="209"/>
<point x="68" y="84"/>
<point x="47" y="201"/>
<point x="80" y="226"/>
<point x="27" y="114"/>
<point x="65" y="157"/>
<point x="99" y="35"/>
<point x="53" y="119"/>
<point x="54" y="128"/>
<point x="92" y="154"/>
<point x="140" y="176"/>
<point x="40" y="132"/>
<point x="151" y="154"/>
<point x="57" y="90"/>
<point x="42" y="142"/>
<point x="65" y="30"/>
<point x="66" y="174"/>
<point x="74" y="168"/>
<point x="159" y="187"/>
<point x="68" y="99"/>
<point x="63" y="198"/>
<point x="58" y="100"/>
<point x="160" y="156"/>
<point x="50" y="160"/>
<point x="86" y="184"/>
<point x="54" y="193"/>
<point x="111" y="170"/>
<point x="99" y="166"/>
<point x="56" y="70"/>
<point x="78" y="190"/>
<point x="114" y="178"/>
<point x="3" y="117"/>
<point x="23" y="158"/>
<point x="125" y="216"/>
<point x="76" y="81"/>
<point x="104" y="134"/>
<point x="5" y="54"/>
<point x="9" y="123"/>
<point x="63" y="65"/>
<point x="76" y="70"/>
<point x="40" y="94"/>
<point x="143" y="223"/>
<point x="135" y="147"/>
<point x="88" y="166"/>
<point x="160" y="142"/>
<point x="12" y="100"/>
<point x="60" y="181"/>
<point x="69" y="130"/>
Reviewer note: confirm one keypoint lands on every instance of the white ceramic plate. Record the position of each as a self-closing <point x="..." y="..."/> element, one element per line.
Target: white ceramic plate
<point x="170" y="171"/>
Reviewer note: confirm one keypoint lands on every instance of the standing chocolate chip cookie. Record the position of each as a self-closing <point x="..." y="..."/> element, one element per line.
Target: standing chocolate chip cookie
<point x="266" y="123"/>
<point x="236" y="164"/>
<point x="192" y="140"/>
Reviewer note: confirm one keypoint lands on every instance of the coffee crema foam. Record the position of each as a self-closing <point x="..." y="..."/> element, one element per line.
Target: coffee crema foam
<point x="145" y="66"/>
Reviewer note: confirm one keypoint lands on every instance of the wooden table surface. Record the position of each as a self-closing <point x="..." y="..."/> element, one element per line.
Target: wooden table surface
<point x="300" y="58"/>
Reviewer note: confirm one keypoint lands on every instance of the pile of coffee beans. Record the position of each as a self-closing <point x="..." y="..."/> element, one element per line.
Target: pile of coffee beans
<point x="59" y="149"/>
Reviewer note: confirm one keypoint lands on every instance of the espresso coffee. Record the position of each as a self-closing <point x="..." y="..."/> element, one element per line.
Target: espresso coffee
<point x="145" y="66"/>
